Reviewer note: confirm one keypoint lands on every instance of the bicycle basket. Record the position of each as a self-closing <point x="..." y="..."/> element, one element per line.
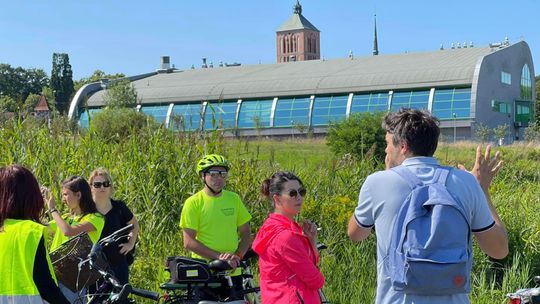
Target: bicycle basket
<point x="186" y="270"/>
<point x="65" y="260"/>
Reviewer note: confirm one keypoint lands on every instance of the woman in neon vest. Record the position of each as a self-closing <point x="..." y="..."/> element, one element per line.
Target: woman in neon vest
<point x="82" y="217"/>
<point x="26" y="273"/>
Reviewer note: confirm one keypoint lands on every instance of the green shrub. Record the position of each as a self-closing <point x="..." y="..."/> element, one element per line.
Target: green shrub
<point x="360" y="135"/>
<point x="115" y="124"/>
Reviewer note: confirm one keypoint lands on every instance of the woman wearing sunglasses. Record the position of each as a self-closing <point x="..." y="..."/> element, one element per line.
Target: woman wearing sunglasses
<point x="288" y="256"/>
<point x="117" y="216"/>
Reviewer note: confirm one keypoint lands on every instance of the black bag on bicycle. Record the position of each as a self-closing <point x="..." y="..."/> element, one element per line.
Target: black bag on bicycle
<point x="187" y="270"/>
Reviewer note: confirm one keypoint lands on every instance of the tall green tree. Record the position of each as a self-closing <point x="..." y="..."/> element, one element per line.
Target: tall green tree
<point x="62" y="81"/>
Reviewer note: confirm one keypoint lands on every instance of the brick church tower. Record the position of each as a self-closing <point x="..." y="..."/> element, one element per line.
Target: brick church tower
<point x="297" y="39"/>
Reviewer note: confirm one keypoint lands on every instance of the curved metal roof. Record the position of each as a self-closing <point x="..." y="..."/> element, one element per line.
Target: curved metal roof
<point x="384" y="72"/>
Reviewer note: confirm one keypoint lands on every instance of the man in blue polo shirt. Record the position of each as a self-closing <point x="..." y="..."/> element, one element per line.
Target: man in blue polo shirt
<point x="411" y="138"/>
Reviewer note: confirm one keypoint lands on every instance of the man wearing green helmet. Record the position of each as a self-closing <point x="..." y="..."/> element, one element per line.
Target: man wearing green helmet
<point x="214" y="221"/>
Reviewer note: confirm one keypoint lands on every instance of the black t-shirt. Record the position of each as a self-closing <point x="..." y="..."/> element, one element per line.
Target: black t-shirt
<point x="117" y="218"/>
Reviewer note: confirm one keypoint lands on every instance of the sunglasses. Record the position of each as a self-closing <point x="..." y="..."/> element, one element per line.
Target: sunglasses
<point x="98" y="185"/>
<point x="294" y="193"/>
<point x="216" y="173"/>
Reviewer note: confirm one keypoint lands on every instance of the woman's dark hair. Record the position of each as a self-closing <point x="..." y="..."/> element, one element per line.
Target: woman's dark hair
<point x="274" y="184"/>
<point x="20" y="197"/>
<point x="79" y="184"/>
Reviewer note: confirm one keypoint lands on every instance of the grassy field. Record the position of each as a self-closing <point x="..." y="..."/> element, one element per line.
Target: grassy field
<point x="154" y="173"/>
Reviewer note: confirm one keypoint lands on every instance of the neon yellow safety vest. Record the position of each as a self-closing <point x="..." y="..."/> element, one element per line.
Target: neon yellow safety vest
<point x="19" y="240"/>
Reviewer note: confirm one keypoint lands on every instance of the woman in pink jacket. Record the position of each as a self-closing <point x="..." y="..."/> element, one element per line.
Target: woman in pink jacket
<point x="288" y="257"/>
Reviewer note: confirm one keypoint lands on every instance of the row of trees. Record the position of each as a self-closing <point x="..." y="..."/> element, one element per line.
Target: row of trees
<point x="20" y="88"/>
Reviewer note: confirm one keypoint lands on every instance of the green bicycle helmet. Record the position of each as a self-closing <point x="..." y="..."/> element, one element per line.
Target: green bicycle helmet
<point x="212" y="160"/>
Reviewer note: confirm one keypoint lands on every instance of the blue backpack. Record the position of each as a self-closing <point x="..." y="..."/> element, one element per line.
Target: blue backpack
<point x="430" y="247"/>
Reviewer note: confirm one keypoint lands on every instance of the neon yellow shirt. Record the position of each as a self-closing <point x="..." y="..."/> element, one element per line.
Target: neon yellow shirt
<point x="216" y="220"/>
<point x="97" y="220"/>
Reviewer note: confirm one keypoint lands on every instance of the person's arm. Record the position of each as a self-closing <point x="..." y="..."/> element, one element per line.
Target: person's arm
<point x="492" y="241"/>
<point x="125" y="248"/>
<point x="45" y="283"/>
<point x="356" y="231"/>
<point x="193" y="245"/>
<point x="245" y="240"/>
<point x="296" y="257"/>
<point x="68" y="230"/>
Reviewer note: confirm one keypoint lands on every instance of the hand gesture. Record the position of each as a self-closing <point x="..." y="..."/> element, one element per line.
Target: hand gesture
<point x="485" y="167"/>
<point x="310" y="230"/>
<point x="47" y="197"/>
<point x="125" y="248"/>
<point x="230" y="258"/>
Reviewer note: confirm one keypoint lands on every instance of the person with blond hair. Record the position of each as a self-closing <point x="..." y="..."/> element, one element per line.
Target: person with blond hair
<point x="117" y="215"/>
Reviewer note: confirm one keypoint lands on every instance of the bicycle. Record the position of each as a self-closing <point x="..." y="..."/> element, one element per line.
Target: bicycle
<point x="526" y="295"/>
<point x="193" y="281"/>
<point x="111" y="291"/>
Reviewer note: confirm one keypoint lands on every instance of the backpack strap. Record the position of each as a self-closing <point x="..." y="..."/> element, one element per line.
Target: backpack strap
<point x="441" y="174"/>
<point x="408" y="176"/>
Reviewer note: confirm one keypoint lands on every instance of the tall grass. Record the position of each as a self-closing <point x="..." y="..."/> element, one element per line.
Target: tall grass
<point x="154" y="172"/>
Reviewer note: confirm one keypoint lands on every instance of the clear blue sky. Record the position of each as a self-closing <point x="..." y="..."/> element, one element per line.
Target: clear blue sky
<point x="129" y="36"/>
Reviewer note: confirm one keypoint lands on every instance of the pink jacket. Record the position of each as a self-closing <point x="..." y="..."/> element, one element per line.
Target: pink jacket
<point x="287" y="262"/>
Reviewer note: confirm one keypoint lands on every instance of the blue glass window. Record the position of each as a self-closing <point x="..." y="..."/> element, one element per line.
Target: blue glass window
<point x="448" y="102"/>
<point x="186" y="117"/>
<point x="158" y="112"/>
<point x="328" y="109"/>
<point x="255" y="113"/>
<point x="220" y="115"/>
<point x="86" y="115"/>
<point x="371" y="102"/>
<point x="506" y="78"/>
<point x="291" y="111"/>
<point x="411" y="99"/>
<point x="526" y="84"/>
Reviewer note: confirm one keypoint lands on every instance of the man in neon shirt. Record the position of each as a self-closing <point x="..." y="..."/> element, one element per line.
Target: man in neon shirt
<point x="214" y="221"/>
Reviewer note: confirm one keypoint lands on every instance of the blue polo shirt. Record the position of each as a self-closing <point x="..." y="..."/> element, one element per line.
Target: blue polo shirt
<point x="379" y="202"/>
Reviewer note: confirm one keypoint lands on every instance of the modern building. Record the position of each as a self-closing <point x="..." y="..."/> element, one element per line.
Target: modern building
<point x="464" y="86"/>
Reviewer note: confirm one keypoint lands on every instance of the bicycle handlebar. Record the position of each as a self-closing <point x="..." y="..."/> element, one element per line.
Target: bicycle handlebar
<point x="146" y="294"/>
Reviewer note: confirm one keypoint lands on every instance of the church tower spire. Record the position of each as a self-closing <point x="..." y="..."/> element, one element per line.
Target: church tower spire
<point x="375" y="43"/>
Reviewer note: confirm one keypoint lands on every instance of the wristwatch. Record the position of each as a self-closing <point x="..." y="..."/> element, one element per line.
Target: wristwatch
<point x="50" y="211"/>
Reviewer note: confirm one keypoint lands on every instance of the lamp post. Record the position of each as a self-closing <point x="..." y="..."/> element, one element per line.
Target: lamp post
<point x="454" y="118"/>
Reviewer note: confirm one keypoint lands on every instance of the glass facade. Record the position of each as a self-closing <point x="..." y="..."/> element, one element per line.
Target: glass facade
<point x="158" y="112"/>
<point x="186" y="117"/>
<point x="220" y="115"/>
<point x="370" y="102"/>
<point x="526" y="84"/>
<point x="292" y="111"/>
<point x="255" y="114"/>
<point x="295" y="111"/>
<point x="448" y="102"/>
<point x="410" y="99"/>
<point x="86" y="115"/>
<point x="328" y="109"/>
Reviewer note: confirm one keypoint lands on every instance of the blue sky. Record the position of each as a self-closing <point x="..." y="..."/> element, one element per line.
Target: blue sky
<point x="129" y="36"/>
